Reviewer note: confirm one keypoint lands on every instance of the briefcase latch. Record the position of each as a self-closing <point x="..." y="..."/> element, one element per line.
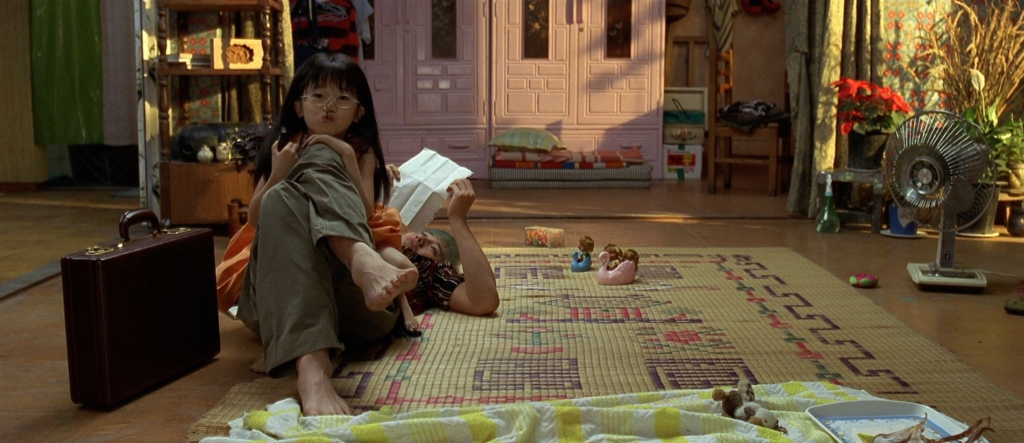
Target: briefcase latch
<point x="173" y="231"/>
<point x="98" y="250"/>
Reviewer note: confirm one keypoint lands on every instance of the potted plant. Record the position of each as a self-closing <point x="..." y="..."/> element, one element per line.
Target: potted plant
<point x="1007" y="141"/>
<point x="246" y="144"/>
<point x="867" y="114"/>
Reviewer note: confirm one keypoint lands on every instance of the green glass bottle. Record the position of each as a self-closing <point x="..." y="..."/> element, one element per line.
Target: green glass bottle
<point x="828" y="220"/>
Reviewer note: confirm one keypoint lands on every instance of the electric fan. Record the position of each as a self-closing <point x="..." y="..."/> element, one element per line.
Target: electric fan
<point x="936" y="162"/>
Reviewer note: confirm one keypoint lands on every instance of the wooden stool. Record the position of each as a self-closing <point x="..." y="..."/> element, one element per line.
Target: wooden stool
<point x="238" y="216"/>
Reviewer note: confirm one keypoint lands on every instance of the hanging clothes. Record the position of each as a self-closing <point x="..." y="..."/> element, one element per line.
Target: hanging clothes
<point x="329" y="26"/>
<point x="722" y="12"/>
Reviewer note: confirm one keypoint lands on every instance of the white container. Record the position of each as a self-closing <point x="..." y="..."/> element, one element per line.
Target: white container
<point x="845" y="421"/>
<point x="678" y="134"/>
<point x="685" y="160"/>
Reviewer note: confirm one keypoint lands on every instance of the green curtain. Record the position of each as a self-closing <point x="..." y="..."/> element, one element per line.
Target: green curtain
<point x="67" y="72"/>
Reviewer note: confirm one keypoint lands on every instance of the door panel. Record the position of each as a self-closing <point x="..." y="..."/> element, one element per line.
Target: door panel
<point x="532" y="91"/>
<point x="619" y="91"/>
<point x="384" y="72"/>
<point x="447" y="89"/>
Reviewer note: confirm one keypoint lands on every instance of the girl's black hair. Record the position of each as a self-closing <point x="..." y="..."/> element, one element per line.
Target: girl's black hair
<point x="339" y="70"/>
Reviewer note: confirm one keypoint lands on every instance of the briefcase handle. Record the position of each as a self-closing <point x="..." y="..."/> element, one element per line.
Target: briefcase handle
<point x="136" y="216"/>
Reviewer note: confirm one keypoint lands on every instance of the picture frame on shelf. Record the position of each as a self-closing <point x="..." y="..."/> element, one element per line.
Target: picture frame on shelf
<point x="237" y="53"/>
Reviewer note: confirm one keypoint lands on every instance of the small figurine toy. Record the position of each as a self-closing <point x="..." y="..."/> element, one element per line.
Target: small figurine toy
<point x="614" y="269"/>
<point x="633" y="256"/>
<point x="581" y="260"/>
<point x="741" y="405"/>
<point x="863" y="280"/>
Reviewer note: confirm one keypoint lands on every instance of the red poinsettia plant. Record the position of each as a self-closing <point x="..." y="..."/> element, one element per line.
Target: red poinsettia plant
<point x="866" y="107"/>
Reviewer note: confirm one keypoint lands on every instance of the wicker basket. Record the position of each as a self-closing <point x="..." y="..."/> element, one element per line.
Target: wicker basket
<point x="675" y="10"/>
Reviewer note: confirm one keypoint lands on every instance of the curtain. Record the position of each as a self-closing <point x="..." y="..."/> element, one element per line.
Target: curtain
<point x="901" y="23"/>
<point x="120" y="95"/>
<point x="67" y="72"/>
<point x="824" y="40"/>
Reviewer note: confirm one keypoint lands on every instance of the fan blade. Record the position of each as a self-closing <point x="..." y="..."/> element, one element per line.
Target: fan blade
<point x="961" y="196"/>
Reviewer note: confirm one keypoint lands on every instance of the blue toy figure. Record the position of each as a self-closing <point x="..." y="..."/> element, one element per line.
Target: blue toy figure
<point x="581" y="260"/>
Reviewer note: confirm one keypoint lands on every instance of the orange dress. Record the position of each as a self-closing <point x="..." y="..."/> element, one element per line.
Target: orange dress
<point x="385" y="224"/>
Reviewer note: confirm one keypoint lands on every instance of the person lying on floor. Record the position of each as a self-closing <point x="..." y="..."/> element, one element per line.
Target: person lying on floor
<point x="308" y="295"/>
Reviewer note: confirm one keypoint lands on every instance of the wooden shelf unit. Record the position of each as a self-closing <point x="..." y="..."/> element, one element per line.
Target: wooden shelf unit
<point x="200" y="194"/>
<point x="195" y="193"/>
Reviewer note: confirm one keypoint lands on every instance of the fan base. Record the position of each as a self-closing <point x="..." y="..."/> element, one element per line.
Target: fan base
<point x="946" y="279"/>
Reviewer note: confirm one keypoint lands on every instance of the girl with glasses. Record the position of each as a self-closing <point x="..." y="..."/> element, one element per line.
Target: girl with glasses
<point x="315" y="281"/>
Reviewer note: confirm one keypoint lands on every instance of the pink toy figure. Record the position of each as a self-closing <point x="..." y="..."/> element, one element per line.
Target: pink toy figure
<point x="623" y="272"/>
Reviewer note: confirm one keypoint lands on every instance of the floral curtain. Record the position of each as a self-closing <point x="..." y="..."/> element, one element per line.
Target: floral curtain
<point x="874" y="40"/>
<point x="903" y="22"/>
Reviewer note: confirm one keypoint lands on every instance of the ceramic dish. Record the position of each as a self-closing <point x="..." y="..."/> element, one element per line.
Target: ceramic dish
<point x="888" y="233"/>
<point x="844" y="420"/>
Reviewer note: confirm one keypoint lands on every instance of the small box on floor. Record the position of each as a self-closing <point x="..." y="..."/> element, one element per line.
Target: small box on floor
<point x="683" y="162"/>
<point x="541" y="236"/>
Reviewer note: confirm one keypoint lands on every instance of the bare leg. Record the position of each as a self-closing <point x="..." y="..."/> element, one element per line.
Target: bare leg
<point x="316" y="394"/>
<point x="380" y="281"/>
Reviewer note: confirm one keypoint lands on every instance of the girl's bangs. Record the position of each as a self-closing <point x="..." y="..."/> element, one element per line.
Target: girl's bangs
<point x="330" y="77"/>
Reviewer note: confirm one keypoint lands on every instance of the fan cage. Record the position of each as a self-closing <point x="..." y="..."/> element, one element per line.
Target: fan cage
<point x="937" y="161"/>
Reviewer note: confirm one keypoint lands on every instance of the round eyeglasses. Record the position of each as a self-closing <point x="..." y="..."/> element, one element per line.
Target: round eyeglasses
<point x="341" y="101"/>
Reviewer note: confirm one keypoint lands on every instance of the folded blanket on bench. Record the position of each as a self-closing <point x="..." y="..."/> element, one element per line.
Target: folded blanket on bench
<point x="562" y="156"/>
<point x="652" y="416"/>
<point x="556" y="165"/>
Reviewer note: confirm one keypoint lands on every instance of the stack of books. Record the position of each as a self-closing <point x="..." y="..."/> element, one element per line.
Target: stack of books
<point x="190" y="60"/>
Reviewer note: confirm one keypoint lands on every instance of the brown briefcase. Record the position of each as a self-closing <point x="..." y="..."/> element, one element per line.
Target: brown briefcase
<point x="139" y="313"/>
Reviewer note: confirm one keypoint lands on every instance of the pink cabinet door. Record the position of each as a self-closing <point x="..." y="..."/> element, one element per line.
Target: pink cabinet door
<point x="383" y="71"/>
<point x="445" y="62"/>
<point x="619" y="63"/>
<point x="534" y="77"/>
<point x="565" y="63"/>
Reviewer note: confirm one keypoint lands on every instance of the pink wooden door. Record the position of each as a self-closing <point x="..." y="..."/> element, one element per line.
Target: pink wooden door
<point x="383" y="70"/>
<point x="534" y="77"/>
<point x="445" y="62"/>
<point x="619" y="83"/>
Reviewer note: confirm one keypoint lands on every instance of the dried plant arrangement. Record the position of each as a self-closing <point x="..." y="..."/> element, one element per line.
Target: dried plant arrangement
<point x="963" y="42"/>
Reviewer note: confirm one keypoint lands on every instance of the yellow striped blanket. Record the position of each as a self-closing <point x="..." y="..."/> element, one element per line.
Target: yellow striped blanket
<point x="679" y="416"/>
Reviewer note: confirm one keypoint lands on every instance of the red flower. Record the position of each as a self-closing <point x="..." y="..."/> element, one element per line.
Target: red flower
<point x="865" y="107"/>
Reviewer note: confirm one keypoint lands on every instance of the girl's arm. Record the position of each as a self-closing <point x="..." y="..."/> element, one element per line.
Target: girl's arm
<point x="351" y="162"/>
<point x="367" y="168"/>
<point x="281" y="164"/>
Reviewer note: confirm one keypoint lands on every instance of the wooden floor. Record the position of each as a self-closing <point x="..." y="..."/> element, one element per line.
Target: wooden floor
<point x="36" y="229"/>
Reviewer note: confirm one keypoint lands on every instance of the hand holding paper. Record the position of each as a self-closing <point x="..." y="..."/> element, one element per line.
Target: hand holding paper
<point x="423" y="188"/>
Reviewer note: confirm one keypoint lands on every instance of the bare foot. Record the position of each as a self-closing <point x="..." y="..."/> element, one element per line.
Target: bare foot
<point x="380" y="281"/>
<point x="316" y="394"/>
<point x="410" y="281"/>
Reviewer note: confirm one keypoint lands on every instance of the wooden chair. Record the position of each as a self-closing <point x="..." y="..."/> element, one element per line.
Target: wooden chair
<point x="772" y="141"/>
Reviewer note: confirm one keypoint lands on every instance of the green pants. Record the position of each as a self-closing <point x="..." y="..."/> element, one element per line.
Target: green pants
<point x="297" y="296"/>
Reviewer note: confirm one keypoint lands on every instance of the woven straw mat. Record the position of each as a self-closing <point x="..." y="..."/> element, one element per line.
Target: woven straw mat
<point x="696" y="318"/>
